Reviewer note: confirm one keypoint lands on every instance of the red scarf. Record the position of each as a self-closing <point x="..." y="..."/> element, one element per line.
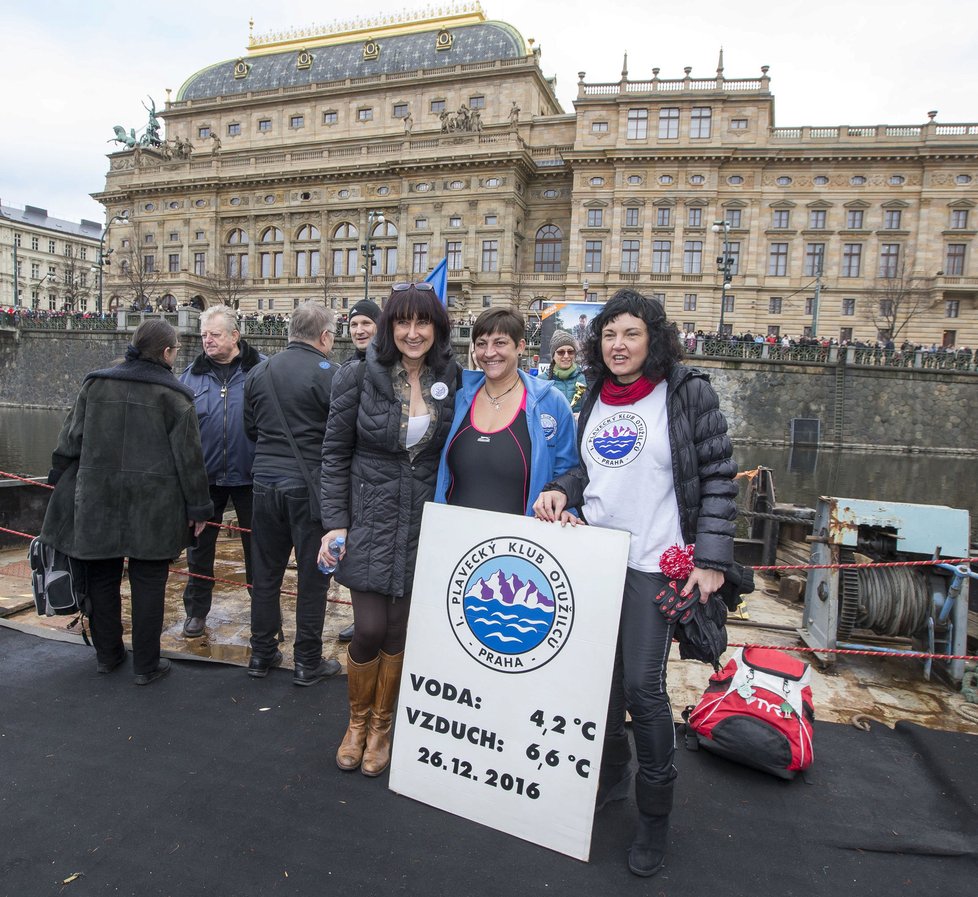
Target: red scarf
<point x="628" y="393"/>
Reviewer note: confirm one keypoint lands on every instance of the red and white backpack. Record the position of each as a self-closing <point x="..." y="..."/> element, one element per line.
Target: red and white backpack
<point x="757" y="711"/>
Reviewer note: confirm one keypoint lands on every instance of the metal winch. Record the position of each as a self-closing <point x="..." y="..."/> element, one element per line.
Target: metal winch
<point x="877" y="608"/>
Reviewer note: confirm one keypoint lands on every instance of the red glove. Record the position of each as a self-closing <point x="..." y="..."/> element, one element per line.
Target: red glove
<point x="676" y="608"/>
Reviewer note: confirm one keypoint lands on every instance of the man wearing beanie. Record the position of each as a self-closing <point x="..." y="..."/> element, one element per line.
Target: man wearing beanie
<point x="564" y="369"/>
<point x="363" y="325"/>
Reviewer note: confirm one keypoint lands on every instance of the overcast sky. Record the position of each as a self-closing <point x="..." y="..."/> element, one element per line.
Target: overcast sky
<point x="70" y="70"/>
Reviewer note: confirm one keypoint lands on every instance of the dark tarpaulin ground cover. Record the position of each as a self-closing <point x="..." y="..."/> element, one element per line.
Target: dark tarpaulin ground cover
<point x="212" y="783"/>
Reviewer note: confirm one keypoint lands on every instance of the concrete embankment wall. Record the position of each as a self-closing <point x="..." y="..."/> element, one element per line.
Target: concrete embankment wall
<point x="884" y="409"/>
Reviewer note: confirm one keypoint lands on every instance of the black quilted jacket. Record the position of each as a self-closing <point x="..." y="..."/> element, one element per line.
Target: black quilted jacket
<point x="702" y="466"/>
<point x="370" y="484"/>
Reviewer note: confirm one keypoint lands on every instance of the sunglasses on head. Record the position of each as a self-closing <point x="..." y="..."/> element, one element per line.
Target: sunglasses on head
<point x="401" y="287"/>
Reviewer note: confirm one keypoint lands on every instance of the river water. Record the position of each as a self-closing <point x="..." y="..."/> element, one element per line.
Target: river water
<point x="27" y="437"/>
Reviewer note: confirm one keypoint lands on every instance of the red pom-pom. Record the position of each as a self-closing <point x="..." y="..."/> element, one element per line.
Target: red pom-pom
<point x="677" y="562"/>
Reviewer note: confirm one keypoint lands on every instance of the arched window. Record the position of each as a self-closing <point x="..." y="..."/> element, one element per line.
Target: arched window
<point x="384" y="253"/>
<point x="345" y="231"/>
<point x="237" y="236"/>
<point x="549" y="249"/>
<point x="384" y="229"/>
<point x="308" y="232"/>
<point x="271" y="235"/>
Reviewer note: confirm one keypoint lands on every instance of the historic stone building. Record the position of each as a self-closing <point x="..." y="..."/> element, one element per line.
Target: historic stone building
<point x="278" y="166"/>
<point x="56" y="261"/>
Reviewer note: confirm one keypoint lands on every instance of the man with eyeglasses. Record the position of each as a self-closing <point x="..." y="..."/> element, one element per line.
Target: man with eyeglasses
<point x="286" y="406"/>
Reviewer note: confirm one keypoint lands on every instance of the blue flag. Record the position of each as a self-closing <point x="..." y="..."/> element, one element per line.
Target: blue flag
<point x="439" y="279"/>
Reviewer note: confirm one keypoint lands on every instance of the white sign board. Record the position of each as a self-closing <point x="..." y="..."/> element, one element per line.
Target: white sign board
<point x="507" y="672"/>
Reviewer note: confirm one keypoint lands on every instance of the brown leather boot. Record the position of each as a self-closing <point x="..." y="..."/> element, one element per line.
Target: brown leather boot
<point x="360" y="685"/>
<point x="377" y="754"/>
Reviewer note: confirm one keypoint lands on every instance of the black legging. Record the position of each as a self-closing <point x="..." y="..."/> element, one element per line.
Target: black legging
<point x="381" y="625"/>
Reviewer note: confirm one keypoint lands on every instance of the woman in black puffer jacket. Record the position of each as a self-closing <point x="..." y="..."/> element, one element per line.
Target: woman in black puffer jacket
<point x="389" y="417"/>
<point x="656" y="462"/>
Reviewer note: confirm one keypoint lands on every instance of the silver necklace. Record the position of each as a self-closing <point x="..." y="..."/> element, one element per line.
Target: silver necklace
<point x="495" y="401"/>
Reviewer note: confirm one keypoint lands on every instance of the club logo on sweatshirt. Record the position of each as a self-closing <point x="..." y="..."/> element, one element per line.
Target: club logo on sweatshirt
<point x="617" y="440"/>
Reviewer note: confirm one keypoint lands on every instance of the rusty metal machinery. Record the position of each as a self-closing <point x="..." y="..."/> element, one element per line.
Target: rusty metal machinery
<point x="925" y="606"/>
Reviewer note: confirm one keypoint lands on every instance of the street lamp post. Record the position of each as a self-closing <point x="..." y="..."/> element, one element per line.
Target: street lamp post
<point x="724" y="264"/>
<point x="374" y="216"/>
<point x="37" y="283"/>
<point x="101" y="256"/>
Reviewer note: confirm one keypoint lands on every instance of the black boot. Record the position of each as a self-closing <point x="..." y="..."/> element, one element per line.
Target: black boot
<point x="615" y="779"/>
<point x="647" y="855"/>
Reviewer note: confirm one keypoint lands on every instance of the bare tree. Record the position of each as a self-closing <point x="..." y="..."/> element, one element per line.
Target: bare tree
<point x="75" y="285"/>
<point x="138" y="269"/>
<point x="228" y="286"/>
<point x="325" y="283"/>
<point x="899" y="297"/>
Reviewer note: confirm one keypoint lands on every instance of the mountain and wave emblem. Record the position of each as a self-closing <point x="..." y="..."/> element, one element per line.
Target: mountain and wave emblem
<point x="507" y="614"/>
<point x="615" y="441"/>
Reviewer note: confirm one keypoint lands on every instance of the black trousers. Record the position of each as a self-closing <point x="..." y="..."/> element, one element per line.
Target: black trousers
<point x="147" y="581"/>
<point x="638" y="682"/>
<point x="200" y="559"/>
<point x="282" y="520"/>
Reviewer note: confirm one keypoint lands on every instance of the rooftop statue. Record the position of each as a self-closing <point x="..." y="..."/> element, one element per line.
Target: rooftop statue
<point x="129" y="140"/>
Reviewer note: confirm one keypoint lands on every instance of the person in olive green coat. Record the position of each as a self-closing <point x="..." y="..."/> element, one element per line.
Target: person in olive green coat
<point x="129" y="482"/>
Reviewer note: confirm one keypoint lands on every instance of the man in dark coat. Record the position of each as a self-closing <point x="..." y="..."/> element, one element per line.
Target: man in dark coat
<point x="217" y="377"/>
<point x="286" y="406"/>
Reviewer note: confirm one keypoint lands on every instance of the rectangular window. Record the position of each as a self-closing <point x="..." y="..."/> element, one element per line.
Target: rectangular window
<point x="52" y="247"/>
<point x="83" y="253"/>
<point x="35" y="270"/>
<point x="661" y="254"/>
<point x="891" y="219"/>
<point x="419" y="258"/>
<point x="810" y="305"/>
<point x="330" y="117"/>
<point x="694" y="217"/>
<point x="889" y="259"/>
<point x="148" y="238"/>
<point x="951" y="308"/>
<point x="365" y="114"/>
<point x="852" y="259"/>
<point x="421" y="223"/>
<point x="297" y="121"/>
<point x="631" y="217"/>
<point x="437" y="106"/>
<point x="773" y="330"/>
<point x="173" y="237"/>
<point x="854" y="219"/>
<point x="733" y="253"/>
<point x="591" y="297"/>
<point x="306" y="263"/>
<point x="693" y="257"/>
<point x="592" y="255"/>
<point x="700" y="122"/>
<point x="477" y="102"/>
<point x="777" y="264"/>
<point x="848" y="308"/>
<point x="814" y="259"/>
<point x="344" y="262"/>
<point x="204" y="133"/>
<point x="599" y="127"/>
<point x="453" y="253"/>
<point x="68" y="246"/>
<point x="845" y="335"/>
<point x="668" y="123"/>
<point x="663" y="217"/>
<point x="734" y="217"/>
<point x="490" y="255"/>
<point x="638" y="124"/>
<point x="594" y="217"/>
<point x="781" y="218"/>
<point x="200" y="263"/>
<point x="35" y="243"/>
<point x="491" y="220"/>
<point x="728" y="303"/>
<point x="774" y="305"/>
<point x="173" y="262"/>
<point x="234" y="129"/>
<point x="264" y="124"/>
<point x="487" y="301"/>
<point x="454" y="221"/>
<point x="17" y="240"/>
<point x="689" y="326"/>
<point x="959" y="219"/>
<point x="738" y="124"/>
<point x="816" y="219"/>
<point x="271" y="264"/>
<point x="629" y="257"/>
<point x="400" y="110"/>
<point x="954" y="259"/>
<point x="149" y="263"/>
<point x="689" y="302"/>
<point x="198" y="235"/>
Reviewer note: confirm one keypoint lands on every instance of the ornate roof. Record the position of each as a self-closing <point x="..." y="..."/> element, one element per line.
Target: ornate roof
<point x="377" y="54"/>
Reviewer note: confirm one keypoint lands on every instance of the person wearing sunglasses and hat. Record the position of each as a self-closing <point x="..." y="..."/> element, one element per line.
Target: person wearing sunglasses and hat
<point x="565" y="372"/>
<point x="388" y="421"/>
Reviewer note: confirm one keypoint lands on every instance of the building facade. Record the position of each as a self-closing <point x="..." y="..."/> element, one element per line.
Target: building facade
<point x="47" y="263"/>
<point x="415" y="139"/>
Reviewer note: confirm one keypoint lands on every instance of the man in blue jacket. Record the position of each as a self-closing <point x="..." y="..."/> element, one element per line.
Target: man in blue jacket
<point x="217" y="377"/>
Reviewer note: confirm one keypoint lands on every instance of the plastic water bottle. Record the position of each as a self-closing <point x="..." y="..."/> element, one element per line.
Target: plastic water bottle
<point x="335" y="547"/>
